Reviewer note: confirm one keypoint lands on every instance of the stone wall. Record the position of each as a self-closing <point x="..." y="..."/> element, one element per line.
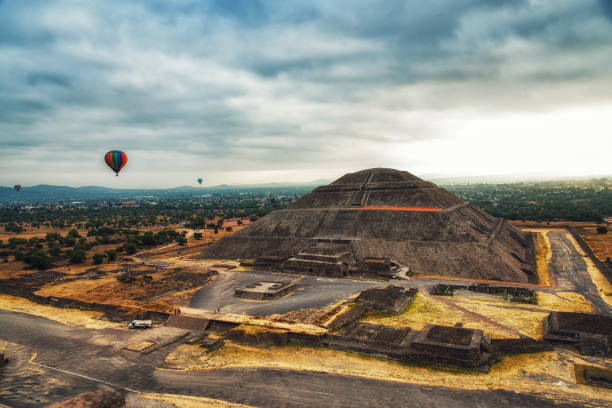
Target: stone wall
<point x="258" y="336"/>
<point x="590" y="333"/>
<point x="520" y="346"/>
<point x="350" y="316"/>
<point x="514" y="294"/>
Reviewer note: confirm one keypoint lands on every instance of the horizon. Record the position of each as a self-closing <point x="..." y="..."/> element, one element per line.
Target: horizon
<point x="440" y="180"/>
<point x="248" y="92"/>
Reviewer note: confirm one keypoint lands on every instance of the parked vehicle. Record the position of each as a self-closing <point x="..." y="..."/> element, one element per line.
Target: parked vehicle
<point x="140" y="324"/>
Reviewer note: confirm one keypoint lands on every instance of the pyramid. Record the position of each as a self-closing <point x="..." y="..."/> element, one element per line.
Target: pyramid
<point x="379" y="219"/>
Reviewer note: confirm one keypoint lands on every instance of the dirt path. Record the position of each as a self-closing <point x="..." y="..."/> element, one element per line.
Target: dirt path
<point x="478" y="316"/>
<point x="570" y="268"/>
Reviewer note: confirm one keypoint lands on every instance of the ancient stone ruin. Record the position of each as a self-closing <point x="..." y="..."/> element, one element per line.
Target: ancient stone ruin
<point x="441" y="345"/>
<point x="594" y="376"/>
<point x="265" y="290"/>
<point x="590" y="333"/>
<point x="391" y="299"/>
<point x="378" y="222"/>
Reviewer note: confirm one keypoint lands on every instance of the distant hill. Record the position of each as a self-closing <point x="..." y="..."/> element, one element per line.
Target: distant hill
<point x="49" y="193"/>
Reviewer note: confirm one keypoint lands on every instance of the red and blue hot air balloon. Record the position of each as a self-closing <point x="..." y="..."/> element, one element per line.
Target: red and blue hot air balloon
<point x="115" y="159"/>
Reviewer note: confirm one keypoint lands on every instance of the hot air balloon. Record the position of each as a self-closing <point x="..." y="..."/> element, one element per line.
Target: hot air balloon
<point x="115" y="159"/>
<point x="200" y="180"/>
<point x="17" y="187"/>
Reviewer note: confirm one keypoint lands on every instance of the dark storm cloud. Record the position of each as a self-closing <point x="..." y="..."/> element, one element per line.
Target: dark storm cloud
<point x="283" y="82"/>
<point x="606" y="6"/>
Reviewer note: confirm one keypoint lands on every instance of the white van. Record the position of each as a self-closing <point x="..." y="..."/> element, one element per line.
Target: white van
<point x="140" y="324"/>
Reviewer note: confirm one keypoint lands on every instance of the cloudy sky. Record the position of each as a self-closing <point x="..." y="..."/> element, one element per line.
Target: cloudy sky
<point x="247" y="91"/>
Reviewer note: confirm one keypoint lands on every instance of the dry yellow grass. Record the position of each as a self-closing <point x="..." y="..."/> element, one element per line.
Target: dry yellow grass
<point x="426" y="309"/>
<point x="70" y="317"/>
<point x="564" y="302"/>
<point x="140" y="346"/>
<point x="187" y="401"/>
<point x="549" y="374"/>
<point x="526" y="322"/>
<point x="76" y="288"/>
<point x="543" y="255"/>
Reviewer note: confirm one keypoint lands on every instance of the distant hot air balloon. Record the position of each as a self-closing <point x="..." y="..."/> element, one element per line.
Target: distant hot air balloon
<point x="200" y="180"/>
<point x="115" y="159"/>
<point x="17" y="187"/>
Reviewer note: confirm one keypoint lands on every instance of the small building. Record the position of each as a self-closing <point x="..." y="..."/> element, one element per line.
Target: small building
<point x="265" y="290"/>
<point x="590" y="333"/>
<point x="391" y="299"/>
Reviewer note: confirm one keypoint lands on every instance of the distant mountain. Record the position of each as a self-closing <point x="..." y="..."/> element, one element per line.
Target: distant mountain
<point x="49" y="193"/>
<point x="315" y="183"/>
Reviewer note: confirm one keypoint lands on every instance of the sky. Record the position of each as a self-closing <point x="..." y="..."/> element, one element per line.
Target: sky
<point x="250" y="91"/>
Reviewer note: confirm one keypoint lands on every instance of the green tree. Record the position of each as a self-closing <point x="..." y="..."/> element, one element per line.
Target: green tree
<point x="181" y="240"/>
<point x="52" y="236"/>
<point x="13" y="227"/>
<point x="197" y="235"/>
<point x="131" y="248"/>
<point x="77" y="256"/>
<point x="148" y="239"/>
<point x="112" y="255"/>
<point x="602" y="229"/>
<point x="54" y="249"/>
<point x="68" y="241"/>
<point x="38" y="259"/>
<point x="98" y="259"/>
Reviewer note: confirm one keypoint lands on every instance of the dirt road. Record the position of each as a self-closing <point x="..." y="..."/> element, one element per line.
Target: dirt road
<point x="571" y="271"/>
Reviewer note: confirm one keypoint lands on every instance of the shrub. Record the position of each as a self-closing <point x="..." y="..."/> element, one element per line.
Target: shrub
<point x="19" y="255"/>
<point x="148" y="239"/>
<point x="38" y="259"/>
<point x="12" y="227"/>
<point x="52" y="236"/>
<point x="77" y="256"/>
<point x="98" y="259"/>
<point x="181" y="240"/>
<point x="54" y="249"/>
<point x="15" y="242"/>
<point x="68" y="241"/>
<point x="197" y="235"/>
<point x="602" y="229"/>
<point x="112" y="255"/>
<point x="131" y="248"/>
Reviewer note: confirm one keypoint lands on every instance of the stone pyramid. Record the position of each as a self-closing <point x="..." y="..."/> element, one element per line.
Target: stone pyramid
<point x="378" y="217"/>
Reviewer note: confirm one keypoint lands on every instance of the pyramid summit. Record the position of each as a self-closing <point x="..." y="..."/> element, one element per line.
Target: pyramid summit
<point x="378" y="220"/>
